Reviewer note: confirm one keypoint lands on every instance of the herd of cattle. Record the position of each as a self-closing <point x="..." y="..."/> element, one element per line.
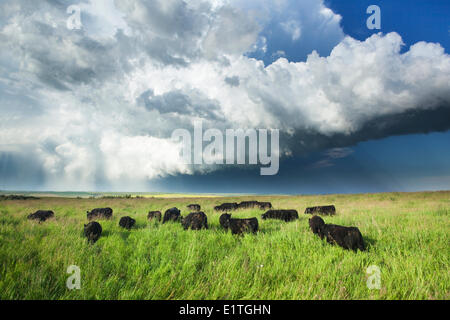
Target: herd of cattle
<point x="346" y="237"/>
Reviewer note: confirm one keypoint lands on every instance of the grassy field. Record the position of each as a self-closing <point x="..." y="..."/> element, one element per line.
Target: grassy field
<point x="407" y="235"/>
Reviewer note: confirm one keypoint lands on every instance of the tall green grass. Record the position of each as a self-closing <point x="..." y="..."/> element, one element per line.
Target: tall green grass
<point x="406" y="235"/>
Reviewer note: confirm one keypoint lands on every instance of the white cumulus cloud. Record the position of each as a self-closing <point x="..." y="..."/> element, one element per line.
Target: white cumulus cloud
<point x="91" y="107"/>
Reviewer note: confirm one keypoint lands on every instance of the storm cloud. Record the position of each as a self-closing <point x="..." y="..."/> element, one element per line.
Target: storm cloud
<point x="98" y="105"/>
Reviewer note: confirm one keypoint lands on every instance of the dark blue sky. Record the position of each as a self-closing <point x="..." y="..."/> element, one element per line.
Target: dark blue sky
<point x="408" y="162"/>
<point x="414" y="20"/>
<point x="398" y="163"/>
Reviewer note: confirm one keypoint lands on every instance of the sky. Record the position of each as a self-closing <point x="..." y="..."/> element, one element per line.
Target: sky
<point x="93" y="108"/>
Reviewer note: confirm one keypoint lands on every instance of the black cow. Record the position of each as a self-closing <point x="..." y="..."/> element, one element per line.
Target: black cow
<point x="248" y="204"/>
<point x="194" y="207"/>
<point x="323" y="210"/>
<point x="238" y="226"/>
<point x="224" y="220"/>
<point x="316" y="224"/>
<point x="195" y="221"/>
<point x="154" y="215"/>
<point x="285" y="215"/>
<point x="226" y="207"/>
<point x="41" y="215"/>
<point x="264" y="205"/>
<point x="345" y="237"/>
<point x="92" y="231"/>
<point x="127" y="222"/>
<point x="172" y="214"/>
<point x="100" y="213"/>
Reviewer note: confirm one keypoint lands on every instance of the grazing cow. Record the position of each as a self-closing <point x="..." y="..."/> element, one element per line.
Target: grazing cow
<point x="41" y="215"/>
<point x="316" y="224"/>
<point x="226" y="207"/>
<point x="345" y="237"/>
<point x="248" y="204"/>
<point x="265" y="205"/>
<point x="172" y="214"/>
<point x="92" y="231"/>
<point x="238" y="226"/>
<point x="195" y="221"/>
<point x="100" y="213"/>
<point x="224" y="220"/>
<point x="323" y="210"/>
<point x="154" y="215"/>
<point x="194" y="207"/>
<point x="127" y="222"/>
<point x="285" y="215"/>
